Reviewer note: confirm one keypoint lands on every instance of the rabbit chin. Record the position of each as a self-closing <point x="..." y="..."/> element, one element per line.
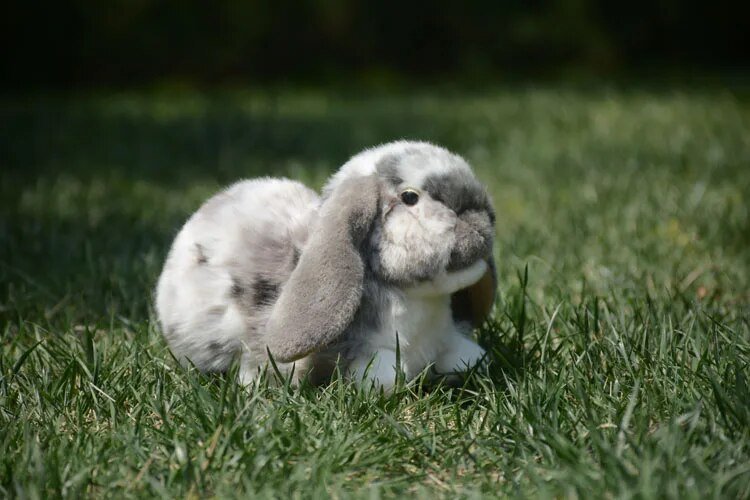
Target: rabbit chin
<point x="446" y="283"/>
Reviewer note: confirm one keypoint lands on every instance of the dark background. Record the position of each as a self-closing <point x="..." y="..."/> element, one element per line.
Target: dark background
<point x="125" y="42"/>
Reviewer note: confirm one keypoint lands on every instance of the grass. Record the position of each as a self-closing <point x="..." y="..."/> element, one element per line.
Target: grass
<point x="620" y="339"/>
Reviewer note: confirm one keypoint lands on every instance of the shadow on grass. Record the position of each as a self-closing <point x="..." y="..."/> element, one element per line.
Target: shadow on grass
<point x="92" y="188"/>
<point x="176" y="141"/>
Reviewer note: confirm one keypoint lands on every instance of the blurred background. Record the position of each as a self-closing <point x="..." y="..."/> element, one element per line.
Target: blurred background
<point x="123" y="42"/>
<point x="613" y="136"/>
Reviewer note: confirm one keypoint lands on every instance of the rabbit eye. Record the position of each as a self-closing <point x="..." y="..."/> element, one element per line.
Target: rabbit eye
<point x="410" y="197"/>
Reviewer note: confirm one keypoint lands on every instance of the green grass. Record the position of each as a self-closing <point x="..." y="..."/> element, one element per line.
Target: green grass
<point x="620" y="339"/>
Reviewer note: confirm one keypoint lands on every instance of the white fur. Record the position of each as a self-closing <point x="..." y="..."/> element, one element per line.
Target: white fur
<point x="421" y="327"/>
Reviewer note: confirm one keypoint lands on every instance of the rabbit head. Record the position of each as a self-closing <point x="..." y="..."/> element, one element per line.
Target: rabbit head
<point x="434" y="214"/>
<point x="401" y="214"/>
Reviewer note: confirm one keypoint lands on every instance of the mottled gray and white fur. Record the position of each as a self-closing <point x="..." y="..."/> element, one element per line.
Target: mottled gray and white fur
<point x="268" y="266"/>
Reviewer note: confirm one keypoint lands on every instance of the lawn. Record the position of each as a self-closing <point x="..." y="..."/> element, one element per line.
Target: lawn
<point x="620" y="339"/>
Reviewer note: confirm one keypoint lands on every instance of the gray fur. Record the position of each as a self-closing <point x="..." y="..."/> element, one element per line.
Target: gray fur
<point x="473" y="239"/>
<point x="374" y="306"/>
<point x="476" y="217"/>
<point x="216" y="310"/>
<point x="265" y="292"/>
<point x="388" y="170"/>
<point x="324" y="291"/>
<point x="460" y="191"/>
<point x="237" y="289"/>
<point x="201" y="254"/>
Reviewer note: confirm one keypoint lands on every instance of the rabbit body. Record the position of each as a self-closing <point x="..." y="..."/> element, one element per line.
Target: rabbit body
<point x="225" y="269"/>
<point x="362" y="277"/>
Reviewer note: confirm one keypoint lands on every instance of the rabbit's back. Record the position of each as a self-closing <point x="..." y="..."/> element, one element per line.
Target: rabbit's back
<point x="226" y="268"/>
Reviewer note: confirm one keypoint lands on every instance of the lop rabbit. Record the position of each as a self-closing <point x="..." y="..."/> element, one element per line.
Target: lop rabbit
<point x="395" y="257"/>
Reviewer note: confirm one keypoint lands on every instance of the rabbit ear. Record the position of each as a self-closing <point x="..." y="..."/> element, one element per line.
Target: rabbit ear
<point x="474" y="303"/>
<point x="325" y="289"/>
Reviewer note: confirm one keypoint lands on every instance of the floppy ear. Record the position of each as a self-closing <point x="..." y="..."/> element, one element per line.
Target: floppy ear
<point x="474" y="303"/>
<point x="325" y="289"/>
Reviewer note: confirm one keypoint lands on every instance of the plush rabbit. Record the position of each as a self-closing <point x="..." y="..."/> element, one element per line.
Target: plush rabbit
<point x="395" y="258"/>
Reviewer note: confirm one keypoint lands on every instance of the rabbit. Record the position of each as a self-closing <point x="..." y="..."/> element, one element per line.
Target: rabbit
<point x="392" y="265"/>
